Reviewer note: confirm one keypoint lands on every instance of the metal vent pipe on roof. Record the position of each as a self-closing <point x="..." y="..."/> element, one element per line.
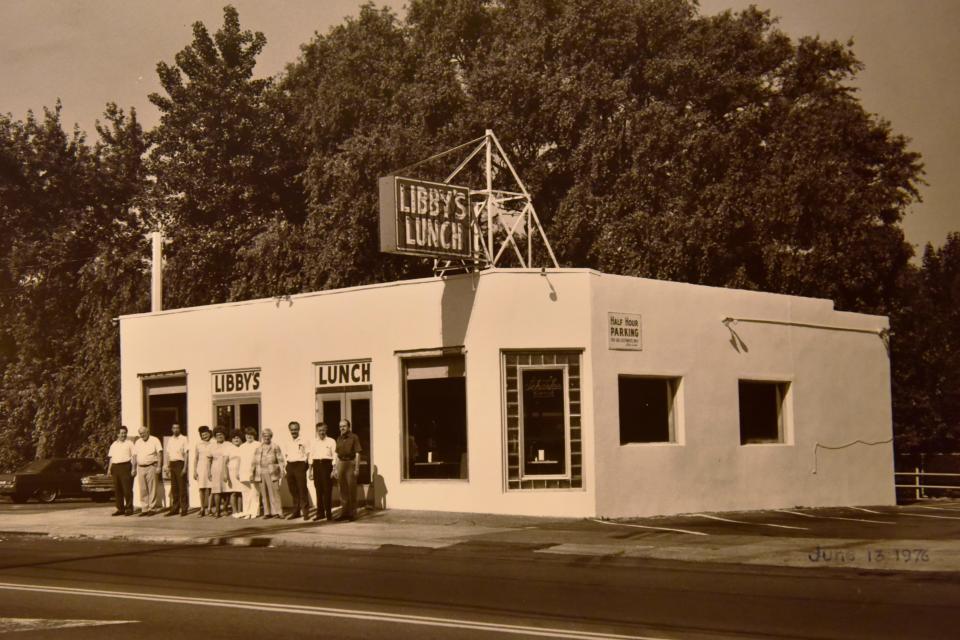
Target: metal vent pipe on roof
<point x="156" y="273"/>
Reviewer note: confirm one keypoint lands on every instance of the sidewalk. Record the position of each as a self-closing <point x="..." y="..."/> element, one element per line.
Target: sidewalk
<point x="492" y="533"/>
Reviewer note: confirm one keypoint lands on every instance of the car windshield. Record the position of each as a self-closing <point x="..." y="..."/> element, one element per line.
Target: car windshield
<point x="35" y="466"/>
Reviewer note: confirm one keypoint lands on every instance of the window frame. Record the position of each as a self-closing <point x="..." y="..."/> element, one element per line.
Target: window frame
<point x="784" y="395"/>
<point x="405" y="357"/>
<point x="674" y="385"/>
<point x="576" y="401"/>
<point x="565" y="369"/>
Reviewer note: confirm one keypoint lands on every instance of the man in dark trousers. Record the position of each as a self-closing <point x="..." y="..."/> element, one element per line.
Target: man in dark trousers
<point x="323" y="451"/>
<point x="176" y="451"/>
<point x="121" y="468"/>
<point x="296" y="454"/>
<point x="348" y="466"/>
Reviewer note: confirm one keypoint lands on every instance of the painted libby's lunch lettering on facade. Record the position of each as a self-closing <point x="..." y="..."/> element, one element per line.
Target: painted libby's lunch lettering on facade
<point x="241" y="381"/>
<point x="338" y="374"/>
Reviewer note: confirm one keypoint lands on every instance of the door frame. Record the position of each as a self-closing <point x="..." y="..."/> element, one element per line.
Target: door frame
<point x="344" y="395"/>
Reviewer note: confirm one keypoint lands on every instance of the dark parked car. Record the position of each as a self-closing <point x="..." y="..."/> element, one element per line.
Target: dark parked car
<point x="47" y="480"/>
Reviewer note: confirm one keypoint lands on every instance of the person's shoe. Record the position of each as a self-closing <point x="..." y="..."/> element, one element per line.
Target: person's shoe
<point x="294" y="515"/>
<point x="306" y="517"/>
<point x="169" y="513"/>
<point x="118" y="512"/>
<point x="317" y="518"/>
<point x="128" y="512"/>
<point x="183" y="513"/>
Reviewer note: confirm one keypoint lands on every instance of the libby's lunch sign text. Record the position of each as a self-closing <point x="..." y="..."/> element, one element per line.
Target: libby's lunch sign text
<point x="425" y="218"/>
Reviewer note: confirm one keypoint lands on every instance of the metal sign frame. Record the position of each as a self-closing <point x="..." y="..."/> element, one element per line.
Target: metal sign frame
<point x="497" y="229"/>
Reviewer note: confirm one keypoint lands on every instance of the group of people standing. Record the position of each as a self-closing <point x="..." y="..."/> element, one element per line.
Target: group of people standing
<point x="241" y="474"/>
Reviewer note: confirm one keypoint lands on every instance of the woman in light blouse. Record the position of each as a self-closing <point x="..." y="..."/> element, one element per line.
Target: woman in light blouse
<point x="268" y="462"/>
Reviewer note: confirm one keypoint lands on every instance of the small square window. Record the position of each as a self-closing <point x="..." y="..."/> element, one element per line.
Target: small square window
<point x="647" y="409"/>
<point x="761" y="411"/>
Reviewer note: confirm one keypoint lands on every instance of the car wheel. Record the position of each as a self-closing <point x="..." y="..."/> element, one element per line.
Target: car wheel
<point x="19" y="499"/>
<point x="46" y="495"/>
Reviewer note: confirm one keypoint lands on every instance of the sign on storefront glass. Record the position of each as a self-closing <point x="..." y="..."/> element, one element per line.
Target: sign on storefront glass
<point x="424" y="218"/>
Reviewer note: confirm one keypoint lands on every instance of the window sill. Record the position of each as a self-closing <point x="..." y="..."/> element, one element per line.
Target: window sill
<point x="766" y="444"/>
<point x="651" y="444"/>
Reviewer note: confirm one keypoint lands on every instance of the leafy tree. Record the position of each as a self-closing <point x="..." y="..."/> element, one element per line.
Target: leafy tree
<point x="926" y="353"/>
<point x="224" y="167"/>
<point x="63" y="204"/>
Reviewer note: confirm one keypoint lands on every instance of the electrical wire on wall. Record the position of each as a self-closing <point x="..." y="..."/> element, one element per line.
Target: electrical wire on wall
<point x="817" y="446"/>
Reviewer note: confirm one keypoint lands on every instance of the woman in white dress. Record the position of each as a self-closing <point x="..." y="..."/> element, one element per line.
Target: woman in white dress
<point x="248" y="486"/>
<point x="219" y="479"/>
<point x="233" y="472"/>
<point x="201" y="469"/>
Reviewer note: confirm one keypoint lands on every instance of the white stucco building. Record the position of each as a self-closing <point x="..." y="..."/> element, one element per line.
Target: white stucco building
<point x="563" y="392"/>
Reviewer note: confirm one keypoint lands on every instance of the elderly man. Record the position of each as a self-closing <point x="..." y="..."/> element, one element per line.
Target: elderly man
<point x="176" y="464"/>
<point x="348" y="465"/>
<point x="323" y="451"/>
<point x="122" y="470"/>
<point x="148" y="454"/>
<point x="296" y="453"/>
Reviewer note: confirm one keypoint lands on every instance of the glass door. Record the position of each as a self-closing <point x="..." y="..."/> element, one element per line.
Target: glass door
<point x="237" y="414"/>
<point x="332" y="407"/>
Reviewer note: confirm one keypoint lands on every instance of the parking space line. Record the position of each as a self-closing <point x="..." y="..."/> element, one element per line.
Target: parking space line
<point x="761" y="524"/>
<point x="807" y="515"/>
<point x="879" y="513"/>
<point x="923" y="506"/>
<point x="928" y="515"/>
<point x="640" y="526"/>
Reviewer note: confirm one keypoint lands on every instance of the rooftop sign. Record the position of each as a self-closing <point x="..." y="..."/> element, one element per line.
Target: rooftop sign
<point x="423" y="218"/>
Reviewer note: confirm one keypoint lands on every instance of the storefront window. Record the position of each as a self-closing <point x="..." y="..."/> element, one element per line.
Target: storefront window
<point x="544" y="432"/>
<point x="436" y="418"/>
<point x="543" y="419"/>
<point x="647" y="409"/>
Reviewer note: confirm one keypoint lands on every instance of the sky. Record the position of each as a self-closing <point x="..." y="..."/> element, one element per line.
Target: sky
<point x="90" y="52"/>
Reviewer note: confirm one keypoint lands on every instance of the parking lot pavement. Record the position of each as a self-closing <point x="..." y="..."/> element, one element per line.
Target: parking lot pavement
<point x="935" y="520"/>
<point x="917" y="537"/>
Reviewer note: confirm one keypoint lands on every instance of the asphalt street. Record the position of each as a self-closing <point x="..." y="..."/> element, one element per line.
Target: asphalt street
<point x="479" y="589"/>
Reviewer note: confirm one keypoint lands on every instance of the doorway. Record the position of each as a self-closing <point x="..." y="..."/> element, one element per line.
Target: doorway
<point x="333" y="406"/>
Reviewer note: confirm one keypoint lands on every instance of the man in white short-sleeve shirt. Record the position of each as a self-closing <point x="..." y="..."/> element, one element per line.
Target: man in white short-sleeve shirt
<point x="176" y="464"/>
<point x="148" y="454"/>
<point x="121" y="468"/>
<point x="323" y="451"/>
